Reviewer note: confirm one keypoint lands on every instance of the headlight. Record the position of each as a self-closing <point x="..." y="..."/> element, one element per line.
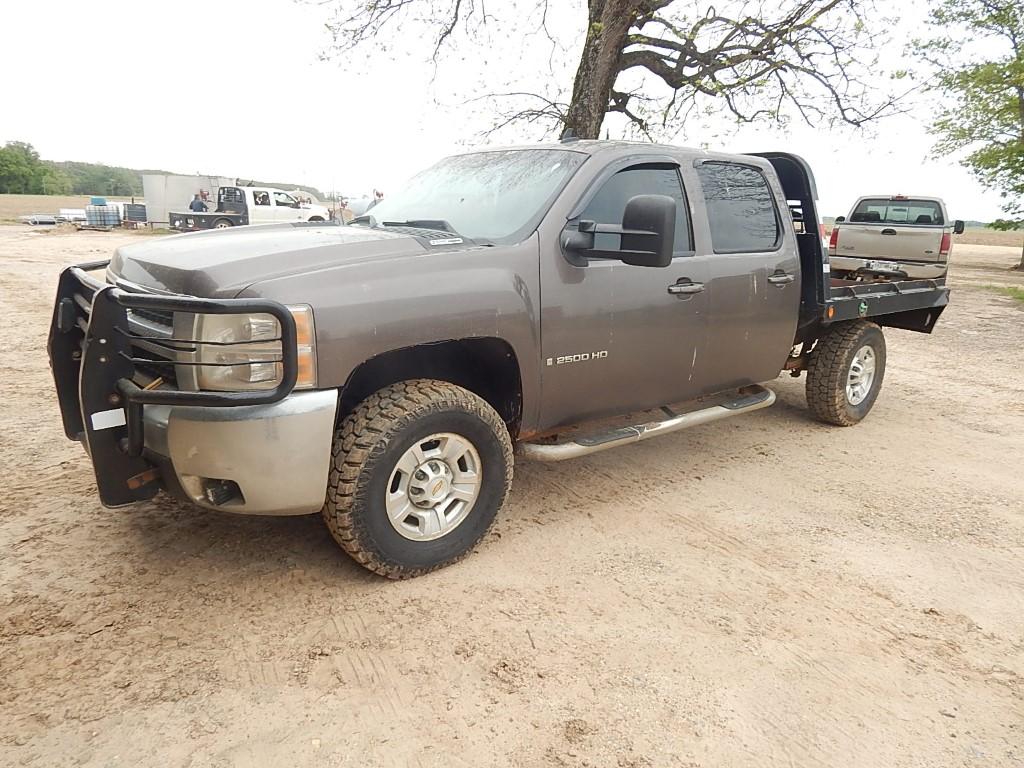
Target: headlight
<point x="243" y="350"/>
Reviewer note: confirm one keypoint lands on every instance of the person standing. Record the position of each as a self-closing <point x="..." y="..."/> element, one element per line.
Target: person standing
<point x="197" y="205"/>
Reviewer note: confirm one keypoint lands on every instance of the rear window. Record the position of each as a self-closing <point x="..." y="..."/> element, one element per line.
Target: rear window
<point x="897" y="212"/>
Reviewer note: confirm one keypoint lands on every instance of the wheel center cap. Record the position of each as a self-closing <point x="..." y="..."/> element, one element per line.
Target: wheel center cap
<point x="431" y="483"/>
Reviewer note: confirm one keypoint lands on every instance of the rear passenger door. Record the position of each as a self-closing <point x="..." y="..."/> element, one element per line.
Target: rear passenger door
<point x="754" y="280"/>
<point x="262" y="209"/>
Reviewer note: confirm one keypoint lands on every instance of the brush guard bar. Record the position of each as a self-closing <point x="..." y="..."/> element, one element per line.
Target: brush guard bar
<point x="93" y="363"/>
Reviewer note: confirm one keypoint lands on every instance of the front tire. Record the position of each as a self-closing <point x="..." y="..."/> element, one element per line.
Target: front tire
<point x="845" y="372"/>
<point x="419" y="472"/>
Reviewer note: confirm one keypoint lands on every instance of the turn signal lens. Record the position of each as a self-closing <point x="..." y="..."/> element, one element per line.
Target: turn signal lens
<point x="305" y="341"/>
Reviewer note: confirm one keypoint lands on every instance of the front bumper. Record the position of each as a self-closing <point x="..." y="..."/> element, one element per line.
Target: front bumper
<point x="260" y="460"/>
<point x="262" y="451"/>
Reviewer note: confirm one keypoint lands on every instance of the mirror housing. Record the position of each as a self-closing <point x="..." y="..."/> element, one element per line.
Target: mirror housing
<point x="840" y="219"/>
<point x="958" y="227"/>
<point x="646" y="237"/>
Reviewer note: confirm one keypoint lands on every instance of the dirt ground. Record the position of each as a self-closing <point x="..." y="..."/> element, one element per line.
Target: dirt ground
<point x="765" y="591"/>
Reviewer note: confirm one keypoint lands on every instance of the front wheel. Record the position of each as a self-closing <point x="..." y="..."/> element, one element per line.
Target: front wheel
<point x="419" y="472"/>
<point x="845" y="372"/>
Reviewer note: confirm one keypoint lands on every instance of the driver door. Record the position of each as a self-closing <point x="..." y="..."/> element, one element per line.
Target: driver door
<point x="614" y="338"/>
<point x="286" y="207"/>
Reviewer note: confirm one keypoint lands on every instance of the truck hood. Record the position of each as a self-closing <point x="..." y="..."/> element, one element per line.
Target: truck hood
<point x="221" y="263"/>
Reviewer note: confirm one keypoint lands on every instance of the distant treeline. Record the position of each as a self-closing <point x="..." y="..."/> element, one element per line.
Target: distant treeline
<point x="23" y="172"/>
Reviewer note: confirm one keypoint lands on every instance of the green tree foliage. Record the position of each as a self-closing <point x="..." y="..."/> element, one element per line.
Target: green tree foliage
<point x="976" y="57"/>
<point x="20" y="168"/>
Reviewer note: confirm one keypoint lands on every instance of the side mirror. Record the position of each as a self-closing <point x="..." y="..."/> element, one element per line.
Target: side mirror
<point x="958" y="227"/>
<point x="646" y="237"/>
<point x="840" y="219"/>
<point x="648" y="231"/>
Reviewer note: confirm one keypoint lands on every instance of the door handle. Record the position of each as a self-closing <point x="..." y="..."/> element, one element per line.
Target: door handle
<point x="685" y="289"/>
<point x="780" y="278"/>
<point x="888" y="231"/>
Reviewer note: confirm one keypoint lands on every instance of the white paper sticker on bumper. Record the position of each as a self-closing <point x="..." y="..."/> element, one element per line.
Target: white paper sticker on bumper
<point x="108" y="419"/>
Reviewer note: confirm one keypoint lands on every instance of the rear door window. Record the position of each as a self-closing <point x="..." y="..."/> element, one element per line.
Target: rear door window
<point x="740" y="207"/>
<point x="881" y="211"/>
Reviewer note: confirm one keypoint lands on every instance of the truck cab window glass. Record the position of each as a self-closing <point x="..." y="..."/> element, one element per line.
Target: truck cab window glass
<point x="740" y="207"/>
<point x="485" y="195"/>
<point x="281" y="198"/>
<point x="882" y="211"/>
<point x="261" y="198"/>
<point x="608" y="205"/>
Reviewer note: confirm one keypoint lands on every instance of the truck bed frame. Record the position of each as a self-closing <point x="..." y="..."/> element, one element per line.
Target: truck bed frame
<point x="913" y="305"/>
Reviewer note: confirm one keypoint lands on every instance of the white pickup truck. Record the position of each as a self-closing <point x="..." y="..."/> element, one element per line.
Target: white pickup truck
<point x="893" y="236"/>
<point x="248" y="205"/>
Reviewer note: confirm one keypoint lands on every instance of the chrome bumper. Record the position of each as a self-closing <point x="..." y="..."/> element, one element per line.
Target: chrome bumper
<point x="277" y="455"/>
<point x="914" y="270"/>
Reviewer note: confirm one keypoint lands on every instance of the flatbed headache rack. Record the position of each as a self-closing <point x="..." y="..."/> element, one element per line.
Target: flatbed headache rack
<point x="94" y="357"/>
<point x="914" y="305"/>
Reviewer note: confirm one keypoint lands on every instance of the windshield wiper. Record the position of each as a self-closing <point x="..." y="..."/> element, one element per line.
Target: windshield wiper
<point x="439" y="225"/>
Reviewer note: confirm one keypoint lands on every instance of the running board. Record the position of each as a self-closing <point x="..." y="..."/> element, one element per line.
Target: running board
<point x="749" y="399"/>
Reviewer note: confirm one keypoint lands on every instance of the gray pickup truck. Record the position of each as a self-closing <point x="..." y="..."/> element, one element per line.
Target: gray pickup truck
<point x="563" y="298"/>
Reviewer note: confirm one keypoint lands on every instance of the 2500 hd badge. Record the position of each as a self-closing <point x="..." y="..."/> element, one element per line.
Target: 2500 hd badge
<point x="582" y="358"/>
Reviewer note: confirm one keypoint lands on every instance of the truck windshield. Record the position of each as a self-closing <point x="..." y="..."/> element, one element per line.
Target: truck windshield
<point x="495" y="196"/>
<point x="906" y="211"/>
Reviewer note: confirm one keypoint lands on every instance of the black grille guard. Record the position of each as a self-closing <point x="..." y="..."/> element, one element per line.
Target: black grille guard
<point x="93" y="364"/>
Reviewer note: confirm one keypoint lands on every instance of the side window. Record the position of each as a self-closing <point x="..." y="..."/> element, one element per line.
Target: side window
<point x="608" y="205"/>
<point x="741" y="208"/>
<point x="261" y="198"/>
<point x="281" y="198"/>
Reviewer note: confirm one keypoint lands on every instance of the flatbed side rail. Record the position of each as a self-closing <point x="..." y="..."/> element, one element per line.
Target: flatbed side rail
<point x="94" y="363"/>
<point x="911" y="304"/>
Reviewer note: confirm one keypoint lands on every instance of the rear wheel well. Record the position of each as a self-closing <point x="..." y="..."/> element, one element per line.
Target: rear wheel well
<point x="486" y="366"/>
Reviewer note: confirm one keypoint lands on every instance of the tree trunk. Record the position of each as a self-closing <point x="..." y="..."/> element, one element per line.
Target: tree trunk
<point x="607" y="29"/>
<point x="1021" y="265"/>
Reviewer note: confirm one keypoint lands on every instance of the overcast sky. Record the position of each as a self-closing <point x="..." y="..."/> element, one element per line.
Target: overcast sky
<point x="239" y="89"/>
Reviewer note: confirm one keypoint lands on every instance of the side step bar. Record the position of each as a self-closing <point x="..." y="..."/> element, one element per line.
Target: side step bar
<point x="749" y="399"/>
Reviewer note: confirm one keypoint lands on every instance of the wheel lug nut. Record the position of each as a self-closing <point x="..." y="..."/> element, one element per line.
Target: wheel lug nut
<point x="434" y="467"/>
<point x="421" y="475"/>
<point x="416" y="491"/>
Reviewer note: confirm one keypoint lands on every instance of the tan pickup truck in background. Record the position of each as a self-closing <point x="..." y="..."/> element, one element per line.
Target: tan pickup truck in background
<point x="893" y="236"/>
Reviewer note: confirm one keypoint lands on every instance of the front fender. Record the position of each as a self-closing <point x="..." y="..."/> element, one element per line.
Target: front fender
<point x="368" y="308"/>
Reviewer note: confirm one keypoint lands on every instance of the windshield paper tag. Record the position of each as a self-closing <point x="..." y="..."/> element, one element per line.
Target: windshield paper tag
<point x="447" y="241"/>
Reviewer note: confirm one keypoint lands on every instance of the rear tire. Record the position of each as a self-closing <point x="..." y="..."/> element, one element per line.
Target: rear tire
<point x="845" y="372"/>
<point x="317" y="219"/>
<point x="407" y="442"/>
<point x="222" y="224"/>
